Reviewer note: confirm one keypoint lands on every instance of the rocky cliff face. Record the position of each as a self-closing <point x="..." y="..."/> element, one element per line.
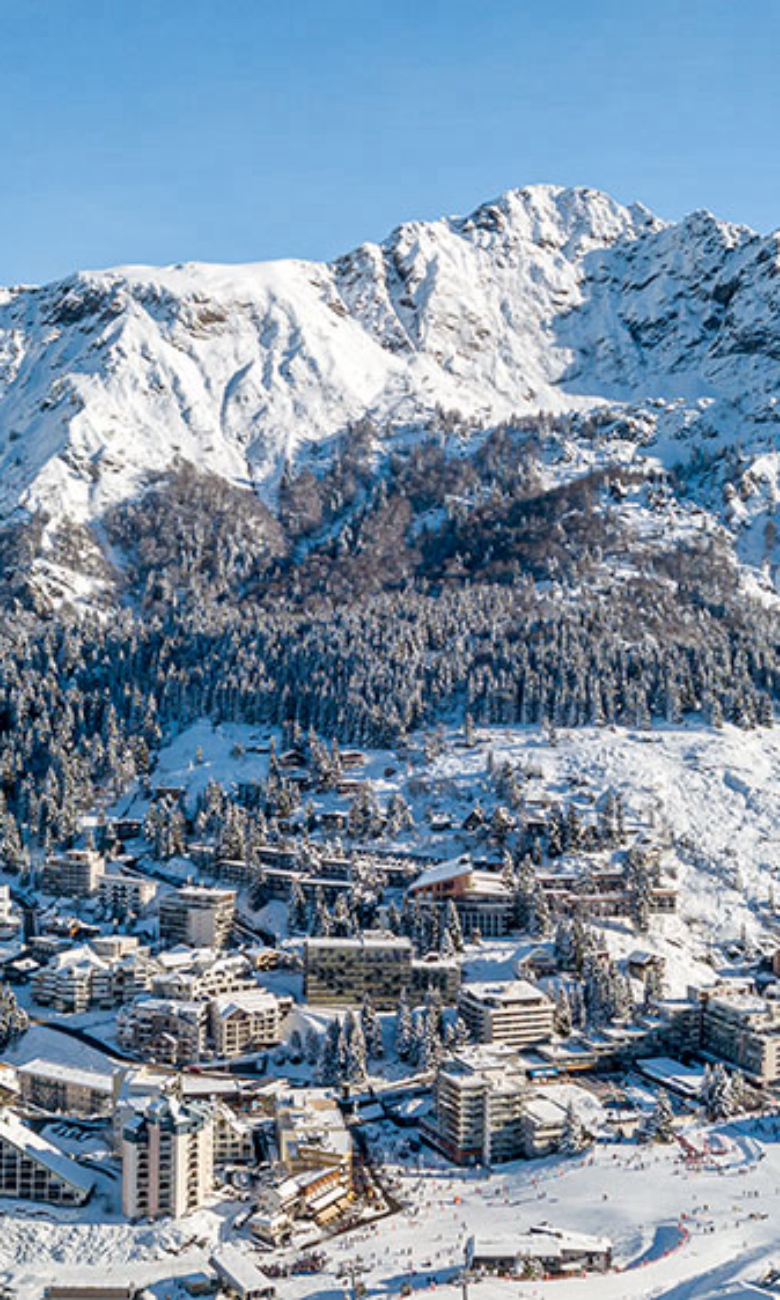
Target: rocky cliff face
<point x="546" y="300"/>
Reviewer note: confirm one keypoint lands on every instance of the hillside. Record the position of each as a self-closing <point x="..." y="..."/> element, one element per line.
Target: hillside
<point x="656" y="344"/>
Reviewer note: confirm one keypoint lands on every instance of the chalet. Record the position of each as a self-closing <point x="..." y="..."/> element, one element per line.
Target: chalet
<point x="555" y="1252"/>
<point x="440" y="823"/>
<point x="640" y="963"/>
<point x="239" y="1275"/>
<point x="482" y="900"/>
<point x="538" y="963"/>
<point x="172" y="793"/>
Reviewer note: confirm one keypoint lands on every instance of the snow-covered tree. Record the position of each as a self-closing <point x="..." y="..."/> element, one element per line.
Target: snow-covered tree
<point x="575" y="1137"/>
<point x="659" y="1126"/>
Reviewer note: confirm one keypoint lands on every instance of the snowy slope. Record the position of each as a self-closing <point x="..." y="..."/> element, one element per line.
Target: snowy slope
<point x="547" y="299"/>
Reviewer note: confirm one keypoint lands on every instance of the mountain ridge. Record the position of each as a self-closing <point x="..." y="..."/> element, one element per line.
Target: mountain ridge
<point x="546" y="300"/>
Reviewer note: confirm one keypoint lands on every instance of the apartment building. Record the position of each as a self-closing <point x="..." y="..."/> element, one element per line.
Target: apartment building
<point x="479" y="1096"/>
<point x="164" y="1030"/>
<point x="52" y="1086"/>
<point x="10" y="917"/>
<point x="199" y="974"/>
<point x="311" y="1135"/>
<point x="346" y="972"/>
<point x="123" y="894"/>
<point x="198" y="916"/>
<point x="744" y="1030"/>
<point x="487" y="1111"/>
<point x="433" y="974"/>
<point x="93" y="975"/>
<point x="75" y="874"/>
<point x="167" y="1159"/>
<point x="246" y="1021"/>
<point x="592" y="890"/>
<point x="32" y="1169"/>
<point x="73" y="981"/>
<point x="234" y="1141"/>
<point x="507" y="1011"/>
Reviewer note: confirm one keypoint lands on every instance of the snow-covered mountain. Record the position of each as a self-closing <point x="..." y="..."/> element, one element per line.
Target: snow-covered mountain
<point x="547" y="299"/>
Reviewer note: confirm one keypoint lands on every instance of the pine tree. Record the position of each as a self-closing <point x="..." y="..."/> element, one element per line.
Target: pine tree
<point x="354" y="1049"/>
<point x="716" y="1093"/>
<point x="312" y="1046"/>
<point x="330" y="1064"/>
<point x="563" y="1017"/>
<point x="654" y="986"/>
<point x="13" y="1018"/>
<point x="453" y="927"/>
<point x="297" y="909"/>
<point x="660" y="1124"/>
<point x="403" y="1030"/>
<point x="574" y="1137"/>
<point x="372" y="1030"/>
<point x="539" y="920"/>
<point x="563" y="947"/>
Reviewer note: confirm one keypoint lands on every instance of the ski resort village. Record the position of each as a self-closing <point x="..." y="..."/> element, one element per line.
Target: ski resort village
<point x="495" y="1011"/>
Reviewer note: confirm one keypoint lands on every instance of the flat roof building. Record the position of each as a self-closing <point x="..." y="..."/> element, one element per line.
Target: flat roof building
<point x="347" y="972"/>
<point x="507" y="1011"/>
<point x="198" y="916"/>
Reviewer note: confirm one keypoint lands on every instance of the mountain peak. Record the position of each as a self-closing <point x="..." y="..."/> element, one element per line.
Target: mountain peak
<point x="543" y="299"/>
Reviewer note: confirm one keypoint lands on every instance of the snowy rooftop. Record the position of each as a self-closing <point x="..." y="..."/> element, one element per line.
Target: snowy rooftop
<point x="505" y="991"/>
<point x="238" y="1270"/>
<point x="54" y="1070"/>
<point x="685" y="1079"/>
<point x="249" y="1000"/>
<point x="12" y="1130"/>
<point x="371" y="939"/>
<point x="442" y="872"/>
<point x="543" y="1239"/>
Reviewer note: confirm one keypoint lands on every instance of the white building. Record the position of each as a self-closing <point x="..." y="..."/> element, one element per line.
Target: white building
<point x="507" y="1011"/>
<point x="56" y="1087"/>
<point x="32" y="1169"/>
<point x="164" y="1030"/>
<point x="123" y="894"/>
<point x="199" y="974"/>
<point x="83" y="977"/>
<point x="75" y="874"/>
<point x="167" y="1159"/>
<point x="10" y="919"/>
<point x="238" y="1273"/>
<point x="555" y="1252"/>
<point x="486" y="1111"/>
<point x="73" y="981"/>
<point x="246" y="1020"/>
<point x="743" y="1029"/>
<point x="198" y="916"/>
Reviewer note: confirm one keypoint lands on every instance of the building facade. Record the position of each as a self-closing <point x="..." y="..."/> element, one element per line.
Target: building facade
<point x="52" y="1086"/>
<point x="510" y="1011"/>
<point x="75" y="874"/>
<point x="167" y="1159"/>
<point x="32" y="1169"/>
<point x="197" y="916"/>
<point x="246" y="1021"/>
<point x="347" y="972"/>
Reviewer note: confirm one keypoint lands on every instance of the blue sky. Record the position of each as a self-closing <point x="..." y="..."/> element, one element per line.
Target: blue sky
<point x="236" y="130"/>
